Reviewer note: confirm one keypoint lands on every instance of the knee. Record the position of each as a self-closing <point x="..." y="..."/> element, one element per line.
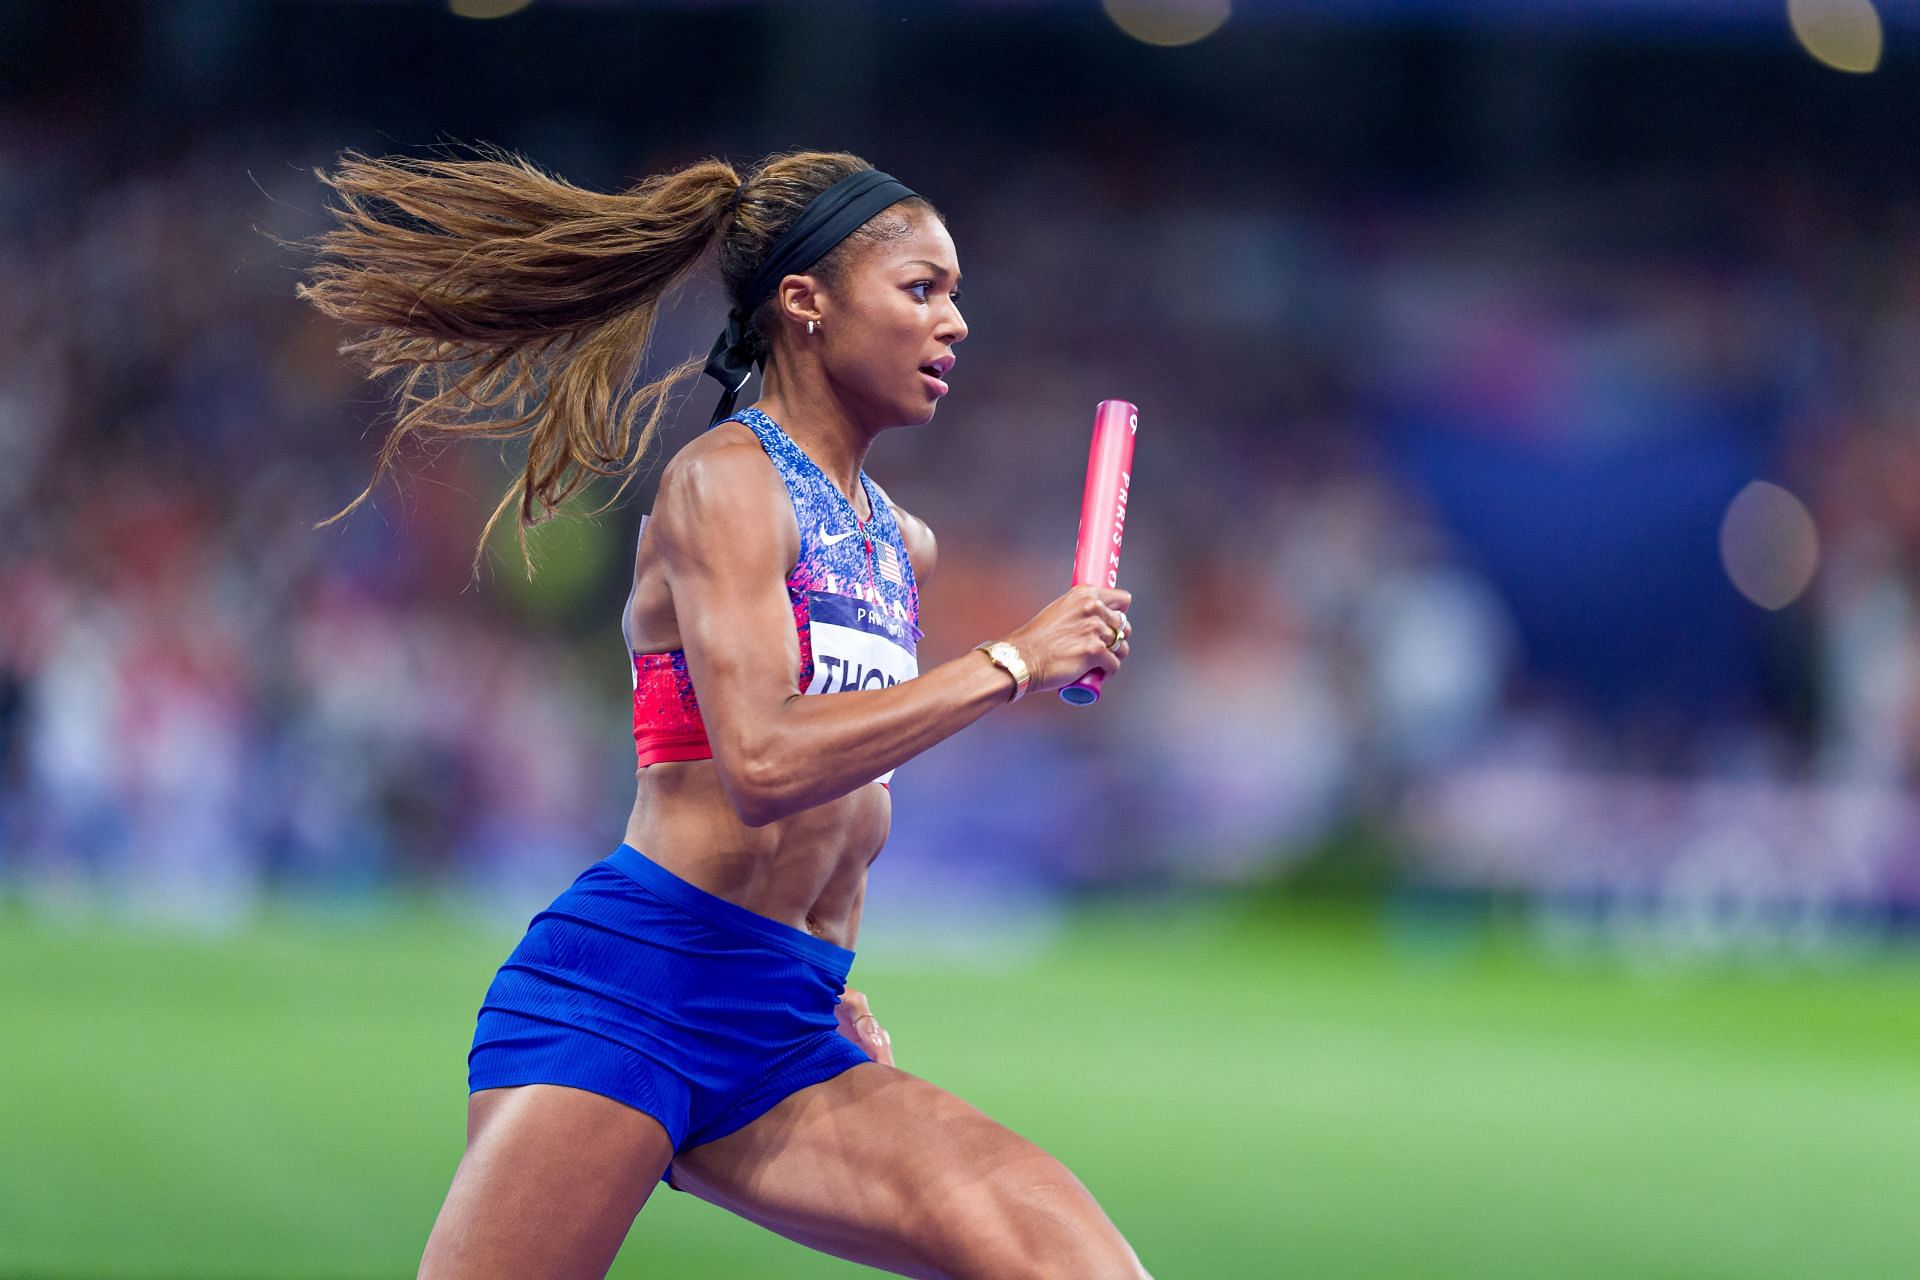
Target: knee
<point x="1041" y="1226"/>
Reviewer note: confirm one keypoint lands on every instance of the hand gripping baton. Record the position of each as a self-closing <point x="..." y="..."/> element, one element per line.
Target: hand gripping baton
<point x="1103" y="518"/>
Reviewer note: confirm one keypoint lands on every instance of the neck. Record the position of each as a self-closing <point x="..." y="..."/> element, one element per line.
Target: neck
<point x="818" y="422"/>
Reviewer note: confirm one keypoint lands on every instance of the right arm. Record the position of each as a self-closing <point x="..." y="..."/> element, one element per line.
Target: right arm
<point x="727" y="543"/>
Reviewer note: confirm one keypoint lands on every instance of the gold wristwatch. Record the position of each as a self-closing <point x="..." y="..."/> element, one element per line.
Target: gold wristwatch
<point x="1008" y="659"/>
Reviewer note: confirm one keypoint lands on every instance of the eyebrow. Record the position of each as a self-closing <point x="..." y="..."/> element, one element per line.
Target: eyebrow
<point x="934" y="267"/>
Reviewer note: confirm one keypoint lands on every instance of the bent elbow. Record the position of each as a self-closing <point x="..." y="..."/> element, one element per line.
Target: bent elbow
<point x="754" y="812"/>
<point x="754" y="808"/>
<point x="757" y="788"/>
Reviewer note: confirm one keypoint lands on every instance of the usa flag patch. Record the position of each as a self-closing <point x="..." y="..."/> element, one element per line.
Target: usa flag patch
<point x="888" y="562"/>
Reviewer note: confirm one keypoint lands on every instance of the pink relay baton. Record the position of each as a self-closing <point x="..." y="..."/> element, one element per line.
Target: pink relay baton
<point x="1103" y="518"/>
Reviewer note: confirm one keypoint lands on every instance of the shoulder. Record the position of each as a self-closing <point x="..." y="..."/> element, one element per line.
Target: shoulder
<point x="723" y="480"/>
<point x="922" y="549"/>
<point x="723" y="467"/>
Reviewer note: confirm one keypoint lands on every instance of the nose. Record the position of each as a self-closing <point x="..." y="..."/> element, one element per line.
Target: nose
<point x="954" y="327"/>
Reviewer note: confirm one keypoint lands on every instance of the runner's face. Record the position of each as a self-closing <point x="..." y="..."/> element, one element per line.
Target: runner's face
<point x="889" y="341"/>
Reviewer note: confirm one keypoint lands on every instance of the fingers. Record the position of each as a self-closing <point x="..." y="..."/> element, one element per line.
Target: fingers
<point x="1108" y="605"/>
<point x="1115" y="598"/>
<point x="877" y="1043"/>
<point x="1114" y="628"/>
<point x="1085" y="630"/>
<point x="858" y="1024"/>
<point x="871" y="1036"/>
<point x="1100" y="656"/>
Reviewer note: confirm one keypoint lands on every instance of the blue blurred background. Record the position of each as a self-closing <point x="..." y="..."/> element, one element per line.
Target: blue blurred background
<point x="1526" y="525"/>
<point x="1461" y="345"/>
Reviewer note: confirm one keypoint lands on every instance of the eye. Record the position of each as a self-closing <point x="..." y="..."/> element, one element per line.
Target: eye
<point x="928" y="284"/>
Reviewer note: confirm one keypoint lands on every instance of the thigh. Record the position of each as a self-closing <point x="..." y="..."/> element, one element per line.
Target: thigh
<point x="549" y="1185"/>
<point x="881" y="1167"/>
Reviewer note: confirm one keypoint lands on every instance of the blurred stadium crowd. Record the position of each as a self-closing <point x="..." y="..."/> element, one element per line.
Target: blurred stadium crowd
<point x="1426" y="543"/>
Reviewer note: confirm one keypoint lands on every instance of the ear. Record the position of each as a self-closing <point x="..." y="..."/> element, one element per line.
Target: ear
<point x="802" y="298"/>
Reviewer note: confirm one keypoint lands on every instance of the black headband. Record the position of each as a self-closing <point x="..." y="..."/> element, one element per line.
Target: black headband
<point x="833" y="215"/>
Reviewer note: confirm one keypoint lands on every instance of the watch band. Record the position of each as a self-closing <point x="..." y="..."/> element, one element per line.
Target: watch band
<point x="1007" y="657"/>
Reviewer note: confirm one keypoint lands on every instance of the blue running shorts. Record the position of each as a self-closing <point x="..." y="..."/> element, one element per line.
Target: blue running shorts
<point x="640" y="986"/>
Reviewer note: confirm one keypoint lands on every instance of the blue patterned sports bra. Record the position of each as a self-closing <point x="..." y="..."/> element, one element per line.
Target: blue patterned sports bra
<point x="855" y="605"/>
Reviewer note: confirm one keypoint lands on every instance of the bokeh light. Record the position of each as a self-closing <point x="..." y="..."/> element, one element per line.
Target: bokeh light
<point x="1768" y="545"/>
<point x="486" y="8"/>
<point x="1843" y="34"/>
<point x="1169" y="22"/>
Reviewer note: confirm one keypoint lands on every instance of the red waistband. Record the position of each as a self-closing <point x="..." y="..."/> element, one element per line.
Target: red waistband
<point x="656" y="748"/>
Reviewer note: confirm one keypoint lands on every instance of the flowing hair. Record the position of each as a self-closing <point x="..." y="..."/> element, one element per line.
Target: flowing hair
<point x="509" y="303"/>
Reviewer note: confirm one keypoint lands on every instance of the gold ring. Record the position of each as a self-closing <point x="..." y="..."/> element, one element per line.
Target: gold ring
<point x="1118" y="636"/>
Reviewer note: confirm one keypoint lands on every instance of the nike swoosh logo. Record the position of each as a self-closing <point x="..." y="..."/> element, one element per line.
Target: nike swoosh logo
<point x="828" y="539"/>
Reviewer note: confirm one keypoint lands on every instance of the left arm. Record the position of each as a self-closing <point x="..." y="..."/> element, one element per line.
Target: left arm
<point x="855" y="1017"/>
<point x="853" y="1013"/>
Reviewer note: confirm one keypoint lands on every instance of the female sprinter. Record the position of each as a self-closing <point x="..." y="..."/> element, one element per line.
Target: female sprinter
<point x="678" y="1011"/>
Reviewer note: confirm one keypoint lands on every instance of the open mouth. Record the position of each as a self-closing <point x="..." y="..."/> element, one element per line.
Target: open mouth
<point x="936" y="372"/>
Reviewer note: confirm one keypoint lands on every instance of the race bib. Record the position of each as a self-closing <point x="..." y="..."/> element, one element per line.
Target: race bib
<point x="857" y="645"/>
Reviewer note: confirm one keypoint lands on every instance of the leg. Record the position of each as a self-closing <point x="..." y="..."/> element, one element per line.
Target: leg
<point x="549" y="1185"/>
<point x="880" y="1167"/>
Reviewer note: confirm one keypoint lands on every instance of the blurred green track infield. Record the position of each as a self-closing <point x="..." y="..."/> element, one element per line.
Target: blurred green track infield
<point x="1257" y="1094"/>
